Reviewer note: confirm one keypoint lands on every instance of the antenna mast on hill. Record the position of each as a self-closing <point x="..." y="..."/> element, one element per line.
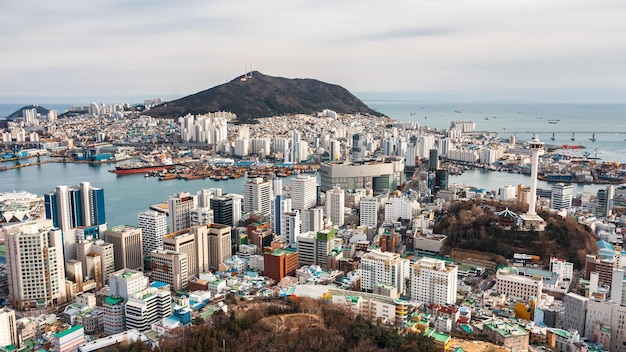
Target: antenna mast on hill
<point x="245" y="73"/>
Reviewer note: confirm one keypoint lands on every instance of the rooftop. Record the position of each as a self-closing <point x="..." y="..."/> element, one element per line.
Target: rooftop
<point x="68" y="331"/>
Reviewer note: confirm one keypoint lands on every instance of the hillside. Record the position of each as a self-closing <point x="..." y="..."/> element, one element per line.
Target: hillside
<point x="17" y="114"/>
<point x="472" y="226"/>
<point x="261" y="96"/>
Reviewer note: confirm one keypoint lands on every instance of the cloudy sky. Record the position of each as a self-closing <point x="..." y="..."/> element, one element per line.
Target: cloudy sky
<point x="481" y="50"/>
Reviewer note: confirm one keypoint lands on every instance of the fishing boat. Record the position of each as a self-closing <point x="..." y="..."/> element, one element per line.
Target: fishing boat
<point x="573" y="139"/>
<point x="593" y="137"/>
<point x="128" y="169"/>
<point x="552" y="138"/>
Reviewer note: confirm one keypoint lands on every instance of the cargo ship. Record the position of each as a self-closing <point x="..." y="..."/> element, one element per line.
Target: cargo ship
<point x="127" y="169"/>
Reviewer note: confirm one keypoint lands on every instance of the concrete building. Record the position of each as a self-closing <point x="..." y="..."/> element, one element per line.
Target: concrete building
<point x="335" y="206"/>
<point x="69" y="340"/>
<point x="562" y="195"/>
<point x="125" y="282"/>
<point x="280" y="263"/>
<point x="324" y="241"/>
<point x="507" y="334"/>
<point x="380" y="176"/>
<point x="153" y="226"/>
<point x="98" y="259"/>
<point x="292" y="226"/>
<point x="370" y="306"/>
<point x="256" y="193"/>
<point x="127" y="242"/>
<point x="219" y="240"/>
<point x="575" y="312"/>
<point x="303" y="192"/>
<point x="604" y="201"/>
<point x="306" y="249"/>
<point x="383" y="267"/>
<point x="193" y="242"/>
<point x="147" y="307"/>
<point x="433" y="281"/>
<point x="170" y="267"/>
<point x="179" y="209"/>
<point x="8" y="329"/>
<point x="201" y="216"/>
<point x="400" y="207"/>
<point x="368" y="212"/>
<point x="312" y="219"/>
<point x="513" y="285"/>
<point x="223" y="210"/>
<point x="35" y="266"/>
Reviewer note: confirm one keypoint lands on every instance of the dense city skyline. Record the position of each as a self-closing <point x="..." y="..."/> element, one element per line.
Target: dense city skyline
<point x="562" y="51"/>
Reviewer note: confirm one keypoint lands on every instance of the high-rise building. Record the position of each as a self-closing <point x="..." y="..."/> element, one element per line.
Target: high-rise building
<point x="201" y="216"/>
<point x="303" y="192"/>
<point x="433" y="281"/>
<point x="604" y="201"/>
<point x="306" y="249"/>
<point x="256" y="193"/>
<point x="193" y="242"/>
<point x="222" y="210"/>
<point x="562" y="194"/>
<point x="368" y="212"/>
<point x="237" y="201"/>
<point x="279" y="206"/>
<point x="35" y="266"/>
<point x="98" y="259"/>
<point x="335" y="206"/>
<point x="292" y="226"/>
<point x="70" y="207"/>
<point x="219" y="242"/>
<point x="127" y="243"/>
<point x="312" y="219"/>
<point x="125" y="282"/>
<point x="153" y="226"/>
<point x="8" y="329"/>
<point x="383" y="267"/>
<point x="179" y="208"/>
<point x="400" y="207"/>
<point x="147" y="307"/>
<point x="205" y="195"/>
<point x="536" y="148"/>
<point x="324" y="241"/>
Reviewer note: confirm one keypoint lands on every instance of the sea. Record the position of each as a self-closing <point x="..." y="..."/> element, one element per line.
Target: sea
<point x="126" y="196"/>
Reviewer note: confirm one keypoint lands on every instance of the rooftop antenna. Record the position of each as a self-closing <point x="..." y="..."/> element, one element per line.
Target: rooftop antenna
<point x="250" y="72"/>
<point x="245" y="73"/>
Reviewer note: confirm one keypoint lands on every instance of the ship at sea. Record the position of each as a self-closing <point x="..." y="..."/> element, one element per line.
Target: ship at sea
<point x="142" y="168"/>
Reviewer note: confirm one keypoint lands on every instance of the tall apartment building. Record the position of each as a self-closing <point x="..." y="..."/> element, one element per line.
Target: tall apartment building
<point x="324" y="242"/>
<point x="204" y="196"/>
<point x="35" y="266"/>
<point x="278" y="207"/>
<point x="153" y="226"/>
<point x="562" y="194"/>
<point x="170" y="267"/>
<point x="8" y="328"/>
<point x="383" y="267"/>
<point x="127" y="243"/>
<point x="575" y="312"/>
<point x="368" y="212"/>
<point x="335" y="206"/>
<point x="604" y="201"/>
<point x="303" y="192"/>
<point x="307" y="249"/>
<point x="523" y="287"/>
<point x="193" y="242"/>
<point x="201" y="216"/>
<point x="433" y="281"/>
<point x="179" y="208"/>
<point x="292" y="226"/>
<point x="70" y="207"/>
<point x="312" y="219"/>
<point x="256" y="193"/>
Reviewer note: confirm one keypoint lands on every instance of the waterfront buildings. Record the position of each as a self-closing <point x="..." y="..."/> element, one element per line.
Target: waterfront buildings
<point x="433" y="281"/>
<point x="127" y="242"/>
<point x="153" y="226"/>
<point x="35" y="266"/>
<point x="70" y="207"/>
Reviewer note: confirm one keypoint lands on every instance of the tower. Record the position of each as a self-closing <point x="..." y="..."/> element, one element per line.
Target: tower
<point x="153" y="227"/>
<point x="126" y="241"/>
<point x="335" y="206"/>
<point x="179" y="208"/>
<point x="256" y="194"/>
<point x="303" y="192"/>
<point x="536" y="147"/>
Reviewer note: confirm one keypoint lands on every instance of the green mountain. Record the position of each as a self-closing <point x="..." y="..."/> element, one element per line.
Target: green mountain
<point x="258" y="95"/>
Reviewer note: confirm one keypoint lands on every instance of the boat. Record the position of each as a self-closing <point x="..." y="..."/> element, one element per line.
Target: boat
<point x="573" y="139"/>
<point x="593" y="137"/>
<point x="128" y="169"/>
<point x="552" y="122"/>
<point x="552" y="138"/>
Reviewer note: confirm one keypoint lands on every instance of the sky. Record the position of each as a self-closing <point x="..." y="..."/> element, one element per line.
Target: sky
<point x="570" y="51"/>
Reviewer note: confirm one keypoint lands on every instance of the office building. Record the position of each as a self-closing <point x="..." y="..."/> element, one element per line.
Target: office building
<point x="433" y="281"/>
<point x="125" y="282"/>
<point x="237" y="201"/>
<point x="153" y="226"/>
<point x="303" y="192"/>
<point x="509" y="282"/>
<point x="218" y="245"/>
<point x="35" y="266"/>
<point x="380" y="176"/>
<point x="292" y="226"/>
<point x="127" y="243"/>
<point x="170" y="267"/>
<point x="562" y="195"/>
<point x="335" y="206"/>
<point x="8" y="329"/>
<point x="205" y="195"/>
<point x="604" y="201"/>
<point x="575" y="312"/>
<point x="69" y="340"/>
<point x="201" y="216"/>
<point x="222" y="210"/>
<point x="179" y="208"/>
<point x="312" y="219"/>
<point x="383" y="267"/>
<point x="193" y="242"/>
<point x="146" y="307"/>
<point x="307" y="244"/>
<point x="97" y="258"/>
<point x="256" y="195"/>
<point x="324" y="244"/>
<point x="400" y="208"/>
<point x="70" y="207"/>
<point x="280" y="263"/>
<point x="278" y="207"/>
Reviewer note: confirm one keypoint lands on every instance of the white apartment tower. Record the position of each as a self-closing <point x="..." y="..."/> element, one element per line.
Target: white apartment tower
<point x="303" y="192"/>
<point x="383" y="267"/>
<point x="368" y="212"/>
<point x="562" y="194"/>
<point x="35" y="266"/>
<point x="292" y="226"/>
<point x="335" y="200"/>
<point x="179" y="208"/>
<point x="153" y="226"/>
<point x="8" y="328"/>
<point x="256" y="196"/>
<point x="433" y="281"/>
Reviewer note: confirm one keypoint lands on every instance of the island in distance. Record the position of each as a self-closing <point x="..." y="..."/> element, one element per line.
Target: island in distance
<point x="257" y="95"/>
